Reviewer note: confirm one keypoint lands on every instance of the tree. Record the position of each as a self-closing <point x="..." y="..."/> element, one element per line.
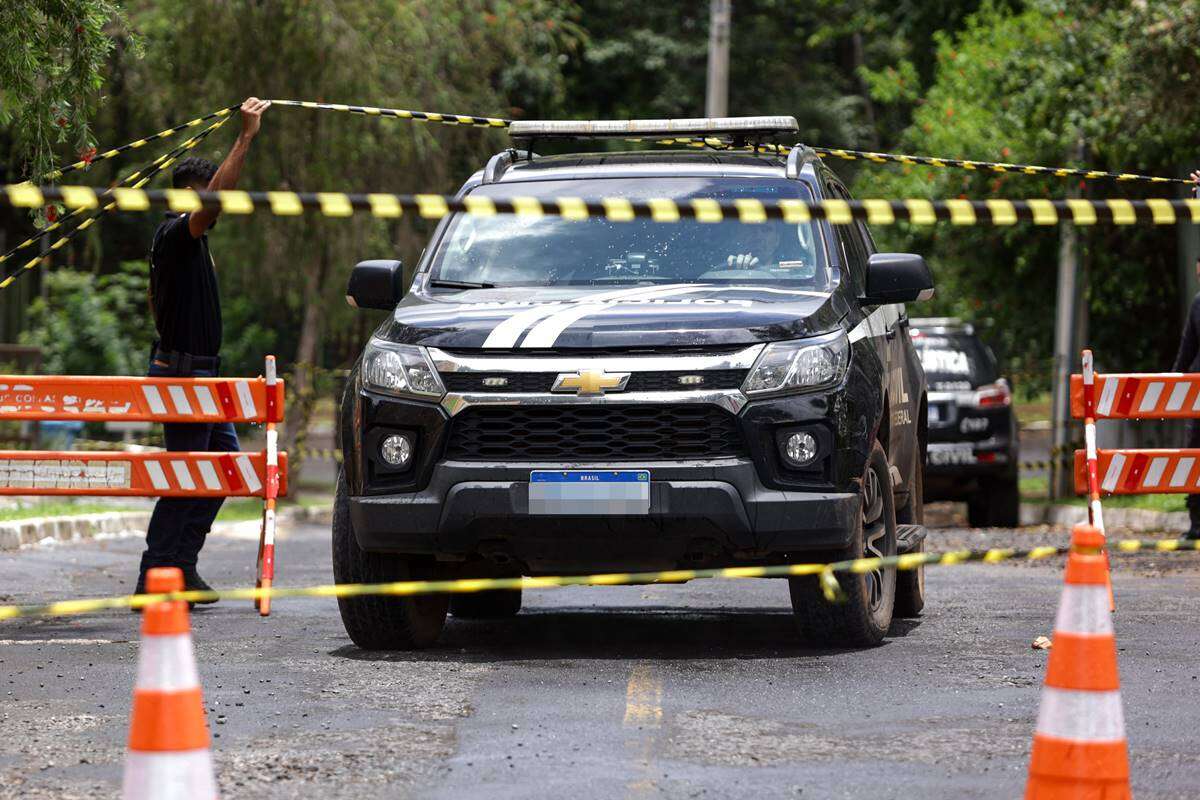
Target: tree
<point x="52" y="58"/>
<point x="442" y="55"/>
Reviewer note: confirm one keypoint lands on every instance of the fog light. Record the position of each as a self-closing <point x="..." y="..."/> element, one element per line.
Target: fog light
<point x="800" y="449"/>
<point x="396" y="450"/>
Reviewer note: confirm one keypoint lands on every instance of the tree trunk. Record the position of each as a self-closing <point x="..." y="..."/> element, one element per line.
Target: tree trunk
<point x="302" y="394"/>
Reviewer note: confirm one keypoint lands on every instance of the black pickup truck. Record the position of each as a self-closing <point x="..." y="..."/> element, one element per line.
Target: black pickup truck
<point x="556" y="395"/>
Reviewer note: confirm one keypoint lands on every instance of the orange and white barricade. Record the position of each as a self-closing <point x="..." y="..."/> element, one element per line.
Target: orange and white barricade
<point x="1133" y="471"/>
<point x="152" y="474"/>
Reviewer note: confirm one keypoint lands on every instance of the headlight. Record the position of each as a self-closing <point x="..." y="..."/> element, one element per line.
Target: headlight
<point x="799" y="366"/>
<point x="402" y="370"/>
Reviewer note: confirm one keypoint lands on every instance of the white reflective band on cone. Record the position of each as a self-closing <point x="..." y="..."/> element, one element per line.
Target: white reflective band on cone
<point x="167" y="663"/>
<point x="1081" y="716"/>
<point x="1084" y="609"/>
<point x="169" y="776"/>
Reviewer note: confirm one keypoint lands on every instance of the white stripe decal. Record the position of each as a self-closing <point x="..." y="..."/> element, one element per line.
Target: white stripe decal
<point x="208" y="474"/>
<point x="158" y="478"/>
<point x="506" y="334"/>
<point x="248" y="474"/>
<point x="546" y="332"/>
<point x="183" y="475"/>
<point x="179" y="398"/>
<point x="157" y="406"/>
<point x="1107" y="395"/>
<point x="166" y="663"/>
<point x="204" y="396"/>
<point x="1182" y="470"/>
<point x="1081" y="716"/>
<point x="246" y="399"/>
<point x="1155" y="472"/>
<point x="1178" y="395"/>
<point x="874" y="325"/>
<point x="1114" y="472"/>
<point x="1083" y="609"/>
<point x="1150" y="398"/>
<point x="1196" y="403"/>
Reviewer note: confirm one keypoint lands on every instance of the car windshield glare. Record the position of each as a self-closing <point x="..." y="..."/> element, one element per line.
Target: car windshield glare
<point x="510" y="250"/>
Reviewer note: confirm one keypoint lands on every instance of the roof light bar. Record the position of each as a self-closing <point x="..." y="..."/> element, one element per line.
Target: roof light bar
<point x="711" y="126"/>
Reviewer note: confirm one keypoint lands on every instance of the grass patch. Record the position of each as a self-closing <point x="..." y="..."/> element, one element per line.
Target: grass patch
<point x="1144" y="502"/>
<point x="241" y="509"/>
<point x="62" y="509"/>
<point x="1033" y="409"/>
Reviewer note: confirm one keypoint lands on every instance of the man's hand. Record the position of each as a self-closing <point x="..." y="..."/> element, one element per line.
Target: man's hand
<point x="252" y="111"/>
<point x="742" y="261"/>
<point x="230" y="170"/>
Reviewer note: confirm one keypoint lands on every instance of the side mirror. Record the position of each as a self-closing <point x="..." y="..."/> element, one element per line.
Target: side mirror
<point x="376" y="284"/>
<point x="897" y="278"/>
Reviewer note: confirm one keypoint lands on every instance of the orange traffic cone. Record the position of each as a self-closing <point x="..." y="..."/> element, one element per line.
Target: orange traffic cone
<point x="169" y="755"/>
<point x="1079" y="749"/>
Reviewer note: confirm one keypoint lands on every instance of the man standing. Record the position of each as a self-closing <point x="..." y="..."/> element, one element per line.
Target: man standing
<point x="1188" y="360"/>
<point x="186" y="306"/>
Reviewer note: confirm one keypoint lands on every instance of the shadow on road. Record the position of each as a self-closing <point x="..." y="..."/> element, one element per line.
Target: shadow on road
<point x="619" y="633"/>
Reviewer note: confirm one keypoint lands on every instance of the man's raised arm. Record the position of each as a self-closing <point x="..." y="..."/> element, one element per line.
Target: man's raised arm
<point x="230" y="170"/>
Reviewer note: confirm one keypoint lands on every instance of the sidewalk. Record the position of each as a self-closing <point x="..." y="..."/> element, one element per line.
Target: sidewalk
<point x="38" y="531"/>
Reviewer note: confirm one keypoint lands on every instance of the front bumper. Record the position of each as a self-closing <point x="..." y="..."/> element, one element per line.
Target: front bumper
<point x="700" y="512"/>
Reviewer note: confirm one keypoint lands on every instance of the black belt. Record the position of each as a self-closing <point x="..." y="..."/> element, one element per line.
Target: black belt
<point x="184" y="363"/>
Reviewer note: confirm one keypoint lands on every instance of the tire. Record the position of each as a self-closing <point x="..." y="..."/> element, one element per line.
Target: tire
<point x="910" y="583"/>
<point x="382" y="622"/>
<point x="494" y="604"/>
<point x="865" y="616"/>
<point x="996" y="504"/>
<point x="1004" y="503"/>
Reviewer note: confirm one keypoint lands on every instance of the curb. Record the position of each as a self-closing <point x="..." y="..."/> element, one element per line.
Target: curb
<point x="35" y="530"/>
<point x="1131" y="519"/>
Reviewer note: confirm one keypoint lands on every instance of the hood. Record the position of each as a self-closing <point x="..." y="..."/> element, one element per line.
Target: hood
<point x="676" y="315"/>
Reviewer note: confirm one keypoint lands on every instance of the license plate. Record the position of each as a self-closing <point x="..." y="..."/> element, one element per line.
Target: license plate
<point x="951" y="456"/>
<point x="589" y="492"/>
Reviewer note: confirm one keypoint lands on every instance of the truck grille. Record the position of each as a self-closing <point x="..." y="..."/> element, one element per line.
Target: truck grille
<point x="608" y="433"/>
<point x="541" y="382"/>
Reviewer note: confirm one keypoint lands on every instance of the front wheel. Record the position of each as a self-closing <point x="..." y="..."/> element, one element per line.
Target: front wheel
<point x="863" y="618"/>
<point x="383" y="622"/>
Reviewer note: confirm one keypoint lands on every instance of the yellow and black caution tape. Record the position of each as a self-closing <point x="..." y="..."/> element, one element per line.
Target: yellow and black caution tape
<point x="993" y="166"/>
<point x="137" y="178"/>
<point x="998" y="167"/>
<point x="319" y="453"/>
<point x="620" y="209"/>
<point x="825" y="572"/>
<point x="401" y="113"/>
<point x="724" y="143"/>
<point x="116" y="151"/>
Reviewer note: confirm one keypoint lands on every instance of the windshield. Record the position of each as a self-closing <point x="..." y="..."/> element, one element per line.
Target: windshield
<point x="955" y="361"/>
<point x="506" y="250"/>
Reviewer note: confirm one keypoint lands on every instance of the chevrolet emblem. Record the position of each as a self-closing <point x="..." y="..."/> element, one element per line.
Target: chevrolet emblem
<point x="590" y="382"/>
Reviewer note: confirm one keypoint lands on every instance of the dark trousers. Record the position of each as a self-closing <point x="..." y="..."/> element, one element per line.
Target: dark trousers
<point x="179" y="525"/>
<point x="1193" y="500"/>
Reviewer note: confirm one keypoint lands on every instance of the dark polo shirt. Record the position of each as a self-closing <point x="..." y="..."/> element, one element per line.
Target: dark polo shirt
<point x="183" y="290"/>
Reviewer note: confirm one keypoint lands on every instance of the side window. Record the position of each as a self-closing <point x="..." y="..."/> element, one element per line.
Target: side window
<point x="854" y="242"/>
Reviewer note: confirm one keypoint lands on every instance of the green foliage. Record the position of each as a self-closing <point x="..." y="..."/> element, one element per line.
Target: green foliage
<point x="52" y="58"/>
<point x="92" y="326"/>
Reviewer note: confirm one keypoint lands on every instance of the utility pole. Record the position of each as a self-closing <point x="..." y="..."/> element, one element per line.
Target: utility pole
<point x="716" y="101"/>
<point x="1061" y="474"/>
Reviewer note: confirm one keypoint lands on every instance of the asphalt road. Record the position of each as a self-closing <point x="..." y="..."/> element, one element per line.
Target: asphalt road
<point x="661" y="691"/>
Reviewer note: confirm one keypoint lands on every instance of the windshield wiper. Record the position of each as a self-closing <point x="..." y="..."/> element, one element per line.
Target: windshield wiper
<point x="441" y="284"/>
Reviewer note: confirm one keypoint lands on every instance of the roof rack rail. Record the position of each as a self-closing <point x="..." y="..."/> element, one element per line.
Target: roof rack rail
<point x="498" y="164"/>
<point x="798" y="156"/>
